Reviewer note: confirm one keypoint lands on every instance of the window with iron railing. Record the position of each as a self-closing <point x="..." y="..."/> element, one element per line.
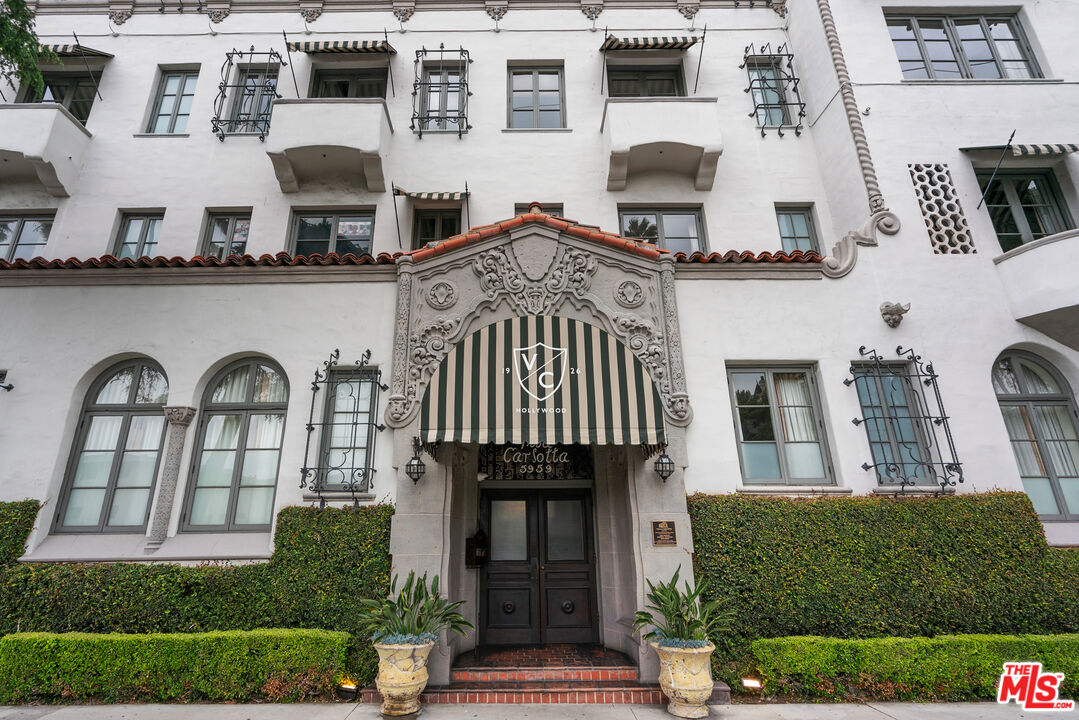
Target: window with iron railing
<point x="440" y="93"/>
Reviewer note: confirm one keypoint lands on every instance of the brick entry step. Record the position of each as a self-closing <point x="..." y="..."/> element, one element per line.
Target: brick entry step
<point x="555" y="674"/>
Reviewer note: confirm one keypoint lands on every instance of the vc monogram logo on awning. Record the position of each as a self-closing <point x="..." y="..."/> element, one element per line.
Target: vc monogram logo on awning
<point x="547" y="372"/>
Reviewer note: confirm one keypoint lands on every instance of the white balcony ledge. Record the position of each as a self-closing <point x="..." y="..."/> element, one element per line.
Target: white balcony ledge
<point x="328" y="139"/>
<point x="678" y="134"/>
<point x="43" y="142"/>
<point x="1039" y="282"/>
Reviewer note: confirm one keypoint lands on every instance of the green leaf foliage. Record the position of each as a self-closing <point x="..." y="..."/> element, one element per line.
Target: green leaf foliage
<point x="414" y="615"/>
<point x="16" y="522"/>
<point x="944" y="668"/>
<point x="324" y="563"/>
<point x="276" y="665"/>
<point x="868" y="567"/>
<point x="19" y="47"/>
<point x="673" y="614"/>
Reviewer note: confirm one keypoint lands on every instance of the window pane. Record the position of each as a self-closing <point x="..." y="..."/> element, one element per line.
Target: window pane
<point x="509" y="538"/>
<point x="129" y="507"/>
<point x="522" y="81"/>
<point x="565" y="530"/>
<point x="804" y="460"/>
<point x="264" y="431"/>
<point x="269" y="386"/>
<point x="153" y="388"/>
<point x="7" y="235"/>
<point x="548" y="81"/>
<point x="216" y="467"/>
<point x="149" y="245"/>
<point x="144" y="432"/>
<point x="1039" y="380"/>
<point x="260" y="468"/>
<point x="219" y="236"/>
<point x="117" y="390"/>
<point x="84" y="507"/>
<point x="761" y="461"/>
<point x="233" y="388"/>
<point x="643" y="226"/>
<point x="137" y="469"/>
<point x="32" y="239"/>
<point x="1004" y="380"/>
<point x="1069" y="488"/>
<point x="104" y="432"/>
<point x="240" y="230"/>
<point x="254" y="506"/>
<point x="523" y="118"/>
<point x="130" y="238"/>
<point x="222" y="432"/>
<point x="750" y="388"/>
<point x="314" y="228"/>
<point x="550" y="118"/>
<point x="354" y="235"/>
<point x="93" y="469"/>
<point x="756" y="423"/>
<point x="1040" y="493"/>
<point x="209" y="506"/>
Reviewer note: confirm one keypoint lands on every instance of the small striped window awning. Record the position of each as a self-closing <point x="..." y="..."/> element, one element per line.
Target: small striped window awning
<point x="343" y="46"/>
<point x="672" y="42"/>
<point x="542" y="379"/>
<point x="431" y="195"/>
<point x="1030" y="150"/>
<point x="1052" y="149"/>
<point x="75" y="51"/>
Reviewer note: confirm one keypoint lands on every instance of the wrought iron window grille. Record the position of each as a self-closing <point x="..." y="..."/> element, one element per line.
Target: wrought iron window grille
<point x="434" y="91"/>
<point x="335" y="469"/>
<point x="245" y="98"/>
<point x="777" y="103"/>
<point x="911" y="425"/>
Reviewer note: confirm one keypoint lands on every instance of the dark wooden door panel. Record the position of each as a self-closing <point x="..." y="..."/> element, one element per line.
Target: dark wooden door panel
<point x="539" y="584"/>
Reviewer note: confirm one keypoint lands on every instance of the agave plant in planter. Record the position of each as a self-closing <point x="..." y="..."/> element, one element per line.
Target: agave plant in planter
<point x="679" y="626"/>
<point x="404" y="627"/>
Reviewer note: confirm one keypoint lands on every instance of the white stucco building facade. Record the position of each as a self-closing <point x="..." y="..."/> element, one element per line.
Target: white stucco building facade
<point x="711" y="129"/>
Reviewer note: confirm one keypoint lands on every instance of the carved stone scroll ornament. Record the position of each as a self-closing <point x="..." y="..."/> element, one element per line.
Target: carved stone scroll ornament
<point x="845" y="252"/>
<point x="119" y="17"/>
<point x="592" y="11"/>
<point x="495" y="10"/>
<point x="892" y="313"/>
<point x="219" y="14"/>
<point x="571" y="273"/>
<point x="689" y="10"/>
<point x="311" y="14"/>
<point x="404" y="13"/>
<point x="677" y="398"/>
<point x="629" y="294"/>
<point x="442" y="295"/>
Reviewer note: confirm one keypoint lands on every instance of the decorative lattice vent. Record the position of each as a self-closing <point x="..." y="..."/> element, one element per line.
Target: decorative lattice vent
<point x="948" y="230"/>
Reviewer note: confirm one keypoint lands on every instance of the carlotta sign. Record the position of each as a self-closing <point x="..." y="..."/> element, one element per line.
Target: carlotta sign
<point x="534" y="462"/>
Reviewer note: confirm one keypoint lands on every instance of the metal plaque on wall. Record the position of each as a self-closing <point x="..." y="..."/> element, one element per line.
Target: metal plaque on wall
<point x="664" y="533"/>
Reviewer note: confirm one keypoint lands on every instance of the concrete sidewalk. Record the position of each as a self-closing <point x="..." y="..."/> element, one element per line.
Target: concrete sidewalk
<point x="342" y="711"/>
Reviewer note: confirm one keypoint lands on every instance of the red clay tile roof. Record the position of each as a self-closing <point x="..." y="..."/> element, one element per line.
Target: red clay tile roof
<point x="733" y="256"/>
<point x="570" y="227"/>
<point x="281" y="259"/>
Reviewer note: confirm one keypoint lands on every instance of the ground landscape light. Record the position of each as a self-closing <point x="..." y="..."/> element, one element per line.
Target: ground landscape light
<point x="750" y="682"/>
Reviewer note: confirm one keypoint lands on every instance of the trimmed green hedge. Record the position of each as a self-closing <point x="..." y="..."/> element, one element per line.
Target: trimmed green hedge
<point x="324" y="563"/>
<point x="879" y="567"/>
<point x="278" y="665"/>
<point x="944" y="668"/>
<point x="16" y="522"/>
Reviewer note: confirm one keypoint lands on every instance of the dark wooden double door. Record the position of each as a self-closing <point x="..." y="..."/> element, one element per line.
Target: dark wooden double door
<point x="538" y="585"/>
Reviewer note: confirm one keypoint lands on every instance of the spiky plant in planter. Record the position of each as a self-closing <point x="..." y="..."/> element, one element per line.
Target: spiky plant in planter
<point x="679" y="626"/>
<point x="404" y="627"/>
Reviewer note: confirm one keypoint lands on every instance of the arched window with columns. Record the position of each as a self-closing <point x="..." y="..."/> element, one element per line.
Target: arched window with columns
<point x="1039" y="412"/>
<point x="113" y="469"/>
<point x="237" y="449"/>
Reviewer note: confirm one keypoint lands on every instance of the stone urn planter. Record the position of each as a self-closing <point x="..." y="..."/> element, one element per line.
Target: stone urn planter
<point x="402" y="676"/>
<point x="685" y="676"/>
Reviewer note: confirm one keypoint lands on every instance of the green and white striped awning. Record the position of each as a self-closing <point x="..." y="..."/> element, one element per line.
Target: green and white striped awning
<point x="1051" y="149"/>
<point x="672" y="42"/>
<point x="75" y="51"/>
<point x="542" y="379"/>
<point x="343" y="46"/>
<point x="431" y="195"/>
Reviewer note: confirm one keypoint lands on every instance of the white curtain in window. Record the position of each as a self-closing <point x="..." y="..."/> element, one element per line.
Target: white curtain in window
<point x="801" y="445"/>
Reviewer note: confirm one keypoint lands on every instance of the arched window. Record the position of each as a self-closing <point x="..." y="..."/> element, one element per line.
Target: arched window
<point x="234" y="472"/>
<point x="110" y="479"/>
<point x="1039" y="411"/>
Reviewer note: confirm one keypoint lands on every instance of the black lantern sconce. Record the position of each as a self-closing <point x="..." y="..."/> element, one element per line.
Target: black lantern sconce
<point x="664" y="465"/>
<point x="415" y="467"/>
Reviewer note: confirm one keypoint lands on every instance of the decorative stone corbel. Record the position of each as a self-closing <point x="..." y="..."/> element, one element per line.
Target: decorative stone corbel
<point x="592" y="9"/>
<point x="218" y="10"/>
<point x="178" y="418"/>
<point x="779" y="7"/>
<point x="892" y="313"/>
<point x="311" y="10"/>
<point x="403" y="10"/>
<point x="497" y="9"/>
<point x="689" y="9"/>
<point x="120" y="12"/>
<point x="845" y="252"/>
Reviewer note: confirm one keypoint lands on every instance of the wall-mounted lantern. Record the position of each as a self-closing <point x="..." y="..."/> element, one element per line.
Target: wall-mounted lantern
<point x="664" y="465"/>
<point x="415" y="467"/>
